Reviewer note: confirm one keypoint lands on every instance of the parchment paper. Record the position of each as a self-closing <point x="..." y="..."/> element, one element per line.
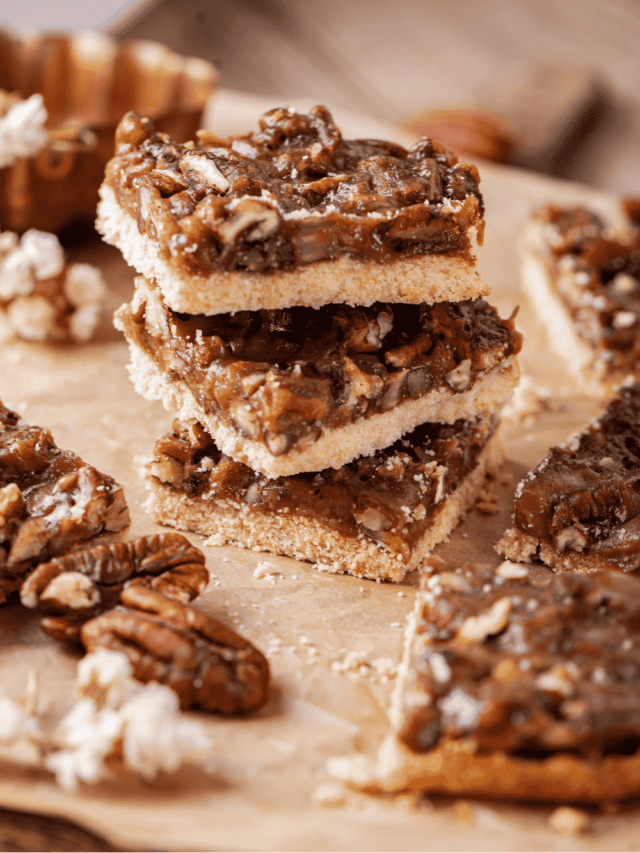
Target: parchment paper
<point x="267" y="768"/>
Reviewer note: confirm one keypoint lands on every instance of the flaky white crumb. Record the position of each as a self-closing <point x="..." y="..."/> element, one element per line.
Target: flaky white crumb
<point x="22" y="130"/>
<point x="67" y="306"/>
<point x="119" y="720"/>
<point x="84" y="285"/>
<point x="566" y="820"/>
<point x="15" y="722"/>
<point x="329" y="795"/>
<point x="43" y="252"/>
<point x="267" y="571"/>
<point x="31" y="317"/>
<point x="529" y="399"/>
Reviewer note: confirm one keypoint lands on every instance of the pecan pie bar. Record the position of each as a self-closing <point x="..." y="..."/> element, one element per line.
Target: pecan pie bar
<point x="292" y="214"/>
<point x="376" y="517"/>
<point x="519" y="684"/>
<point x="583" y="278"/>
<point x="302" y="389"/>
<point x="580" y="508"/>
<point x="50" y="500"/>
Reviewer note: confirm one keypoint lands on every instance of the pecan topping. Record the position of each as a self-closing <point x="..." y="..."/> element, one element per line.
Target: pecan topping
<point x="293" y="192"/>
<point x="584" y="496"/>
<point x="389" y="497"/>
<point x="49" y="500"/>
<point x="206" y="664"/>
<point x="596" y="276"/>
<point x="531" y="667"/>
<point x="70" y="590"/>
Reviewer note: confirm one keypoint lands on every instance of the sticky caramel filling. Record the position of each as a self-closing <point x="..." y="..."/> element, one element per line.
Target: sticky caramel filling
<point x="528" y="667"/>
<point x="597" y="277"/>
<point x="283" y="377"/>
<point x="49" y="499"/>
<point x="389" y="498"/>
<point x="291" y="193"/>
<point x="585" y="495"/>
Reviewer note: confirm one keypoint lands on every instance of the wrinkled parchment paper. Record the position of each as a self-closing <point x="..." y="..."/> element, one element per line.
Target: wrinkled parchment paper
<point x="268" y="789"/>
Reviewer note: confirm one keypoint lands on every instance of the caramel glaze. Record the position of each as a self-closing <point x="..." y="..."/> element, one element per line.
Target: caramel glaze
<point x="59" y="500"/>
<point x="585" y="496"/>
<point x="291" y="193"/>
<point x="602" y="288"/>
<point x="282" y="377"/>
<point x="558" y="672"/>
<point x="389" y="497"/>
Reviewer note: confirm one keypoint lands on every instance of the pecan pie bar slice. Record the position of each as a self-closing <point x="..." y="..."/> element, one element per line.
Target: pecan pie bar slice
<point x="302" y="389"/>
<point x="583" y="279"/>
<point x="580" y="508"/>
<point x="519" y="684"/>
<point x="50" y="500"/>
<point x="292" y="214"/>
<point x="376" y="517"/>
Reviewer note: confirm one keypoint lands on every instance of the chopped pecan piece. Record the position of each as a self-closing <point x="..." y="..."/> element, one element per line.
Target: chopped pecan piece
<point x="71" y="590"/>
<point x="207" y="665"/>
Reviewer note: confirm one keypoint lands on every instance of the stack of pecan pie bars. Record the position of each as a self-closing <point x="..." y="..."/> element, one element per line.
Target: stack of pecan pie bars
<point x="310" y="308"/>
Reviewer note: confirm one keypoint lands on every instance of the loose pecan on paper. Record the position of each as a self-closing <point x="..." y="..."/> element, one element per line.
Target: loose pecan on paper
<point x="208" y="665"/>
<point x="70" y="590"/>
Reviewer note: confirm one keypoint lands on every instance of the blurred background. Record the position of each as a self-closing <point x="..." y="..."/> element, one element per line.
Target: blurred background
<point x="550" y="85"/>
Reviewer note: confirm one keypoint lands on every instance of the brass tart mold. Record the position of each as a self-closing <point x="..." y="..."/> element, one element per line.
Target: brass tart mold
<point x="88" y="82"/>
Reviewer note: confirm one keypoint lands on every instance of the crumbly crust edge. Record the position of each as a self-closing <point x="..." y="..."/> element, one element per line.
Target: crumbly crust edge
<point x="454" y="768"/>
<point x="427" y="278"/>
<point x="524" y="548"/>
<point x="308" y="539"/>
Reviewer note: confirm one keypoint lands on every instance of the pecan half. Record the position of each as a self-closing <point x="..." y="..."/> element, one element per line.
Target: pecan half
<point x="206" y="664"/>
<point x="70" y="590"/>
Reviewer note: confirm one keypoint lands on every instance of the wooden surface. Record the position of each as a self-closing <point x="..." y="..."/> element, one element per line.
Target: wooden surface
<point x="391" y="59"/>
<point x="28" y="831"/>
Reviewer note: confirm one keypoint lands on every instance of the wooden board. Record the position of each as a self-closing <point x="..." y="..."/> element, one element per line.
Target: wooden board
<point x="260" y="793"/>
